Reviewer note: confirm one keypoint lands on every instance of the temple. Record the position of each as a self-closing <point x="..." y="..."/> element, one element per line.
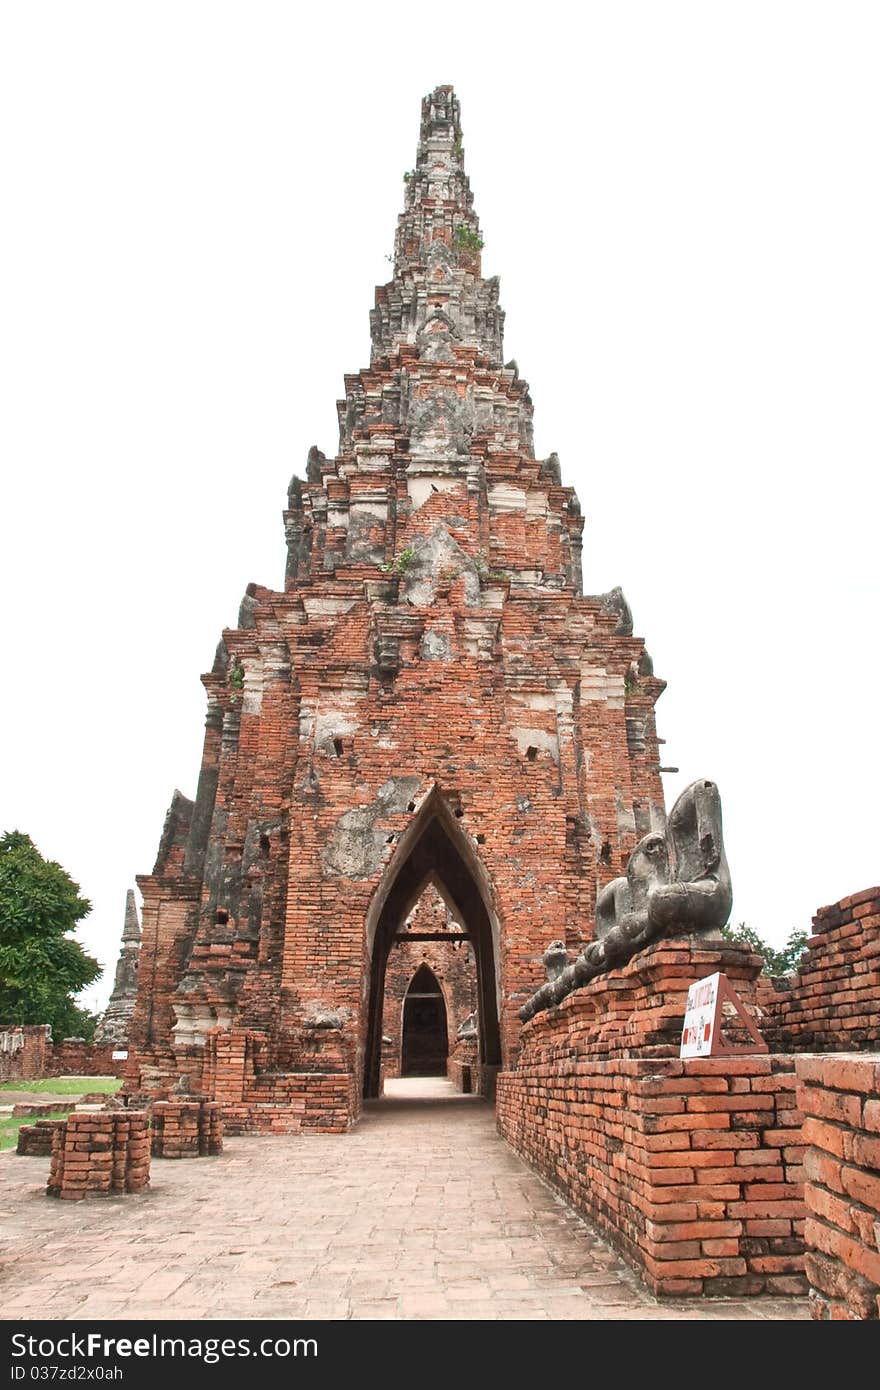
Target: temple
<point x="431" y="707"/>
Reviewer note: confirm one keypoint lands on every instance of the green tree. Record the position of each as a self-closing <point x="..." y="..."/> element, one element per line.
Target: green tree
<point x="41" y="967"/>
<point x="775" y="962"/>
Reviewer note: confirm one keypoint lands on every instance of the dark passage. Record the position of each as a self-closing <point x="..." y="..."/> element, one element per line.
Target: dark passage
<point x="425" y="1034"/>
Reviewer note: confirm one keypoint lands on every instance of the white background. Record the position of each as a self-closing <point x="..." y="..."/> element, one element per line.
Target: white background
<point x="682" y="202"/>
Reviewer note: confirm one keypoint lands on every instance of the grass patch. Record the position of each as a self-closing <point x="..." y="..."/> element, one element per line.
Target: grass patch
<point x="9" y="1128"/>
<point x="66" y="1085"/>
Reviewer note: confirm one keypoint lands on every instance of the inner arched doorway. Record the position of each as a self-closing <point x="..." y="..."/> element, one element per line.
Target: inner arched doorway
<point x="425" y="1043"/>
<point x="434" y="850"/>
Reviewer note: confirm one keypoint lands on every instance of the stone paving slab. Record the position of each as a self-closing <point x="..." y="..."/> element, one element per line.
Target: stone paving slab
<point x="421" y="1212"/>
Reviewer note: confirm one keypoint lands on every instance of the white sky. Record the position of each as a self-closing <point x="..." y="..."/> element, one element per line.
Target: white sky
<point x="682" y="202"/>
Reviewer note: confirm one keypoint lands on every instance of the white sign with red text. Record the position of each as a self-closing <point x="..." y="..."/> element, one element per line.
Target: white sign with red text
<point x="699" y="1020"/>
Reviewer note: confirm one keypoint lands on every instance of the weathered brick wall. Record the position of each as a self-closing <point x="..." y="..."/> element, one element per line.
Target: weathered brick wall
<point x="186" y="1129"/>
<point x="74" y="1057"/>
<point x="832" y="1003"/>
<point x="256" y="1099"/>
<point x="23" y="1051"/>
<point x="639" y="1009"/>
<point x="693" y="1168"/>
<point x="100" y="1153"/>
<point x="840" y="1100"/>
<point x="28" y="1054"/>
<point x="301" y="1102"/>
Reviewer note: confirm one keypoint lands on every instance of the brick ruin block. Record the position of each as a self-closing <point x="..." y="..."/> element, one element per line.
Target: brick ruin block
<point x="186" y="1129"/>
<point x="840" y="1100"/>
<point x="35" y="1141"/>
<point x="832" y="1002"/>
<point x="100" y="1154"/>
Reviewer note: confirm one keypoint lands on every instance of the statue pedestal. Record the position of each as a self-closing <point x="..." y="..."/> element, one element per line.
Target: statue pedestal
<point x="638" y="1010"/>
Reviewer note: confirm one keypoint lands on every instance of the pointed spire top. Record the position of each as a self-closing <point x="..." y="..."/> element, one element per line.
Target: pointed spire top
<point x="131" y="932"/>
<point x="439" y="202"/>
<point x="441" y="119"/>
<point x="438" y="300"/>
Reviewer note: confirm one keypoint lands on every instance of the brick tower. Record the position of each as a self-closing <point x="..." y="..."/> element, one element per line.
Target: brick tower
<point x="431" y="703"/>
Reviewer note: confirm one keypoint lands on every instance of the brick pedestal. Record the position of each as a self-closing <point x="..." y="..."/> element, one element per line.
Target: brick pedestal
<point x="186" y="1129"/>
<point x="100" y="1154"/>
<point x="35" y="1141"/>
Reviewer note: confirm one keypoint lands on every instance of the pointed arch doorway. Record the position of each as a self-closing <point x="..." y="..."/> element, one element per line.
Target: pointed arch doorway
<point x="434" y="850"/>
<point x="425" y="1042"/>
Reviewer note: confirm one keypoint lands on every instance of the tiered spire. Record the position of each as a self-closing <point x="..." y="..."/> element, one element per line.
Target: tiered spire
<point x="113" y="1026"/>
<point x="437" y="291"/>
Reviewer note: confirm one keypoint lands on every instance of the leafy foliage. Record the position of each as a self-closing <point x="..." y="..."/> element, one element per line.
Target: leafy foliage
<point x="41" y="968"/>
<point x="400" y="563"/>
<point x="775" y="962"/>
<point x="468" y="240"/>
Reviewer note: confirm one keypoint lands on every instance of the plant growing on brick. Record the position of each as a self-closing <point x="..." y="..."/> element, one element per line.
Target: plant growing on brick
<point x="400" y="563"/>
<point x="468" y="240"/>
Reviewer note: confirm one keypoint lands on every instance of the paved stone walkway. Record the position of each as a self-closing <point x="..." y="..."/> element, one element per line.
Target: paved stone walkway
<point x="421" y="1212"/>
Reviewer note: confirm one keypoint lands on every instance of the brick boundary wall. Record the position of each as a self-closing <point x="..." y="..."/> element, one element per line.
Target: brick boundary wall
<point x="692" y="1169"/>
<point x="35" y="1141"/>
<point x="840" y="1100"/>
<point x="73" y="1057"/>
<point x="23" y="1051"/>
<point x="100" y="1154"/>
<point x="27" y="1053"/>
<point x="186" y="1129"/>
<point x="832" y="1003"/>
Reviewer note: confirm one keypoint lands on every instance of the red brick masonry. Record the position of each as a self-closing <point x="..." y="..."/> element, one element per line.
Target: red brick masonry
<point x="99" y="1154"/>
<point x="692" y="1168"/>
<point x="840" y="1100"/>
<point x="28" y="1054"/>
<point x="35" y="1141"/>
<point x="832" y="1003"/>
<point x="186" y="1129"/>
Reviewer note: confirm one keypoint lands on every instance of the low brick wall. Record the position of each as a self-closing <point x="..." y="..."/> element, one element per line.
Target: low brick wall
<point x="100" y="1154"/>
<point x="322" y="1098"/>
<point x="27" y="1053"/>
<point x="73" y="1057"/>
<point x="693" y="1169"/>
<point x="294" y="1103"/>
<point x="840" y="1100"/>
<point x="186" y="1129"/>
<point x="35" y="1141"/>
<point x="832" y="1003"/>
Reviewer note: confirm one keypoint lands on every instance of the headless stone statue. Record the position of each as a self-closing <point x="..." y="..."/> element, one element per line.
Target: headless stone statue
<point x="675" y="884"/>
<point x="699" y="895"/>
